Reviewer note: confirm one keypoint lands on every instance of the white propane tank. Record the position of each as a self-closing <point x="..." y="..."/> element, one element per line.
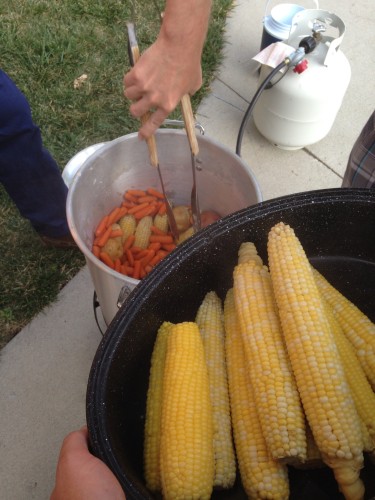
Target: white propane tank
<point x="300" y="109"/>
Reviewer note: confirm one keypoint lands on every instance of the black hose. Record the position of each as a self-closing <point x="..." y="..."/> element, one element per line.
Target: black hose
<point x="95" y="304"/>
<point x="254" y="100"/>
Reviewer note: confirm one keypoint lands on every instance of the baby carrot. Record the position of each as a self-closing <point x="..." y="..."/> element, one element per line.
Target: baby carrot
<point x="130" y="197"/>
<point x="148" y="268"/>
<point x="113" y="216"/>
<point x="96" y="250"/>
<point x="118" y="265"/>
<point x="137" y="269"/>
<point x="139" y="207"/>
<point x="142" y="273"/>
<point x="145" y="211"/>
<point x="127" y="204"/>
<point x="136" y="192"/>
<point x="104" y="238"/>
<point x="162" y="209"/>
<point x="104" y="257"/>
<point x="141" y="254"/>
<point x="147" y="258"/>
<point x="149" y="198"/>
<point x="129" y="257"/>
<point x="154" y="246"/>
<point x="155" y="192"/>
<point x="156" y="208"/>
<point x="165" y="238"/>
<point x="123" y="211"/>
<point x="136" y="250"/>
<point x="129" y="242"/>
<point x="115" y="233"/>
<point x="101" y="226"/>
<point x="169" y="247"/>
<point x="156" y="230"/>
<point x="158" y="257"/>
<point x="127" y="270"/>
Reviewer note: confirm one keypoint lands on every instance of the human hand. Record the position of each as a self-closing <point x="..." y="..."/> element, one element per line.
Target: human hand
<point x="158" y="81"/>
<point x="80" y="475"/>
<point x="170" y="67"/>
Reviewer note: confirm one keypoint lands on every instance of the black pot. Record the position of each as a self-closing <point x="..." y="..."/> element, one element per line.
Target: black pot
<point x="336" y="228"/>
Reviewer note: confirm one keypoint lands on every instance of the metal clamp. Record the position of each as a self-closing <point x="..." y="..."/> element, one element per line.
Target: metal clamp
<point x="123" y="295"/>
<point x="181" y="124"/>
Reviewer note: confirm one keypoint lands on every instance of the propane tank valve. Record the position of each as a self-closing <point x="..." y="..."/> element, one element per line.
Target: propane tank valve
<point x="318" y="29"/>
<point x="295" y="57"/>
<point x="308" y="44"/>
<point x="300" y="67"/>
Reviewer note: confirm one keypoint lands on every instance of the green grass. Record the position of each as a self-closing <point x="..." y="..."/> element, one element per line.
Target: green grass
<point x="45" y="46"/>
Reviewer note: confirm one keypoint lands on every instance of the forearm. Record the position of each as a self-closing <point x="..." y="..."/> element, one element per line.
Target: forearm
<point x="185" y="25"/>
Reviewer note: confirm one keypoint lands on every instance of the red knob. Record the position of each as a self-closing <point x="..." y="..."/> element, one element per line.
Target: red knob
<point x="300" y="67"/>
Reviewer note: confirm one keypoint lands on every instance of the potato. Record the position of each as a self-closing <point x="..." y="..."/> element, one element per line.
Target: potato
<point x="114" y="246"/>
<point x="183" y="217"/>
<point x="208" y="217"/>
<point x="186" y="234"/>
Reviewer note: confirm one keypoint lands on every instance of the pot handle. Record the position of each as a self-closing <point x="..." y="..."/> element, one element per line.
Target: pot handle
<point x="181" y="124"/>
<point x="123" y="295"/>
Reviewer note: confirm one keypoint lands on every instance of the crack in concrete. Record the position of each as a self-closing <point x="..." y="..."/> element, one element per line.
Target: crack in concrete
<point x="232" y="90"/>
<point x="310" y="153"/>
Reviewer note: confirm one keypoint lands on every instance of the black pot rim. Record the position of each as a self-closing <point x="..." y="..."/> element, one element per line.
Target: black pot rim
<point x="96" y="420"/>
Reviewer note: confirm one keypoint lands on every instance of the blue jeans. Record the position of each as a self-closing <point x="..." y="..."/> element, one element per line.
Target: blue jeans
<point x="28" y="172"/>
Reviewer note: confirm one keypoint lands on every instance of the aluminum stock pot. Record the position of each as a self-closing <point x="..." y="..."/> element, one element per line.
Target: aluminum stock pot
<point x="225" y="184"/>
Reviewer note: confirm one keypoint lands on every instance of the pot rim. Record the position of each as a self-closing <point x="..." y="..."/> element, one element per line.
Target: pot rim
<point x="101" y="149"/>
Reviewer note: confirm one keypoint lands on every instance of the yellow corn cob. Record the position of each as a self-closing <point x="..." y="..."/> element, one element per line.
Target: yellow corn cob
<point x="277" y="400"/>
<point x="315" y="360"/>
<point x="261" y="476"/>
<point x="128" y="225"/>
<point x="211" y="326"/>
<point x="161" y="222"/>
<point x="364" y="397"/>
<point x="151" y="451"/>
<point x="186" y="445"/>
<point x="248" y="251"/>
<point x="314" y="457"/>
<point x="359" y="329"/>
<point x="143" y="232"/>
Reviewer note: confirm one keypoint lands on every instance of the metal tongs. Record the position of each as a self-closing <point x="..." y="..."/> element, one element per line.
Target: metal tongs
<point x="188" y="117"/>
<point x="134" y="55"/>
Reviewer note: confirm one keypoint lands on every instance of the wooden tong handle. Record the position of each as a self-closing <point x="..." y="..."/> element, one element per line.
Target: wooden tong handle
<point x="187" y="113"/>
<point x="151" y="142"/>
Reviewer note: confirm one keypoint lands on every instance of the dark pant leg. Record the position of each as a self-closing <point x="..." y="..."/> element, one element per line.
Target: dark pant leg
<point x="28" y="172"/>
<point x="360" y="171"/>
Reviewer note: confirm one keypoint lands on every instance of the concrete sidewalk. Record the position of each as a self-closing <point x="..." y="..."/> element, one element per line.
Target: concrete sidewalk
<point x="44" y="369"/>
